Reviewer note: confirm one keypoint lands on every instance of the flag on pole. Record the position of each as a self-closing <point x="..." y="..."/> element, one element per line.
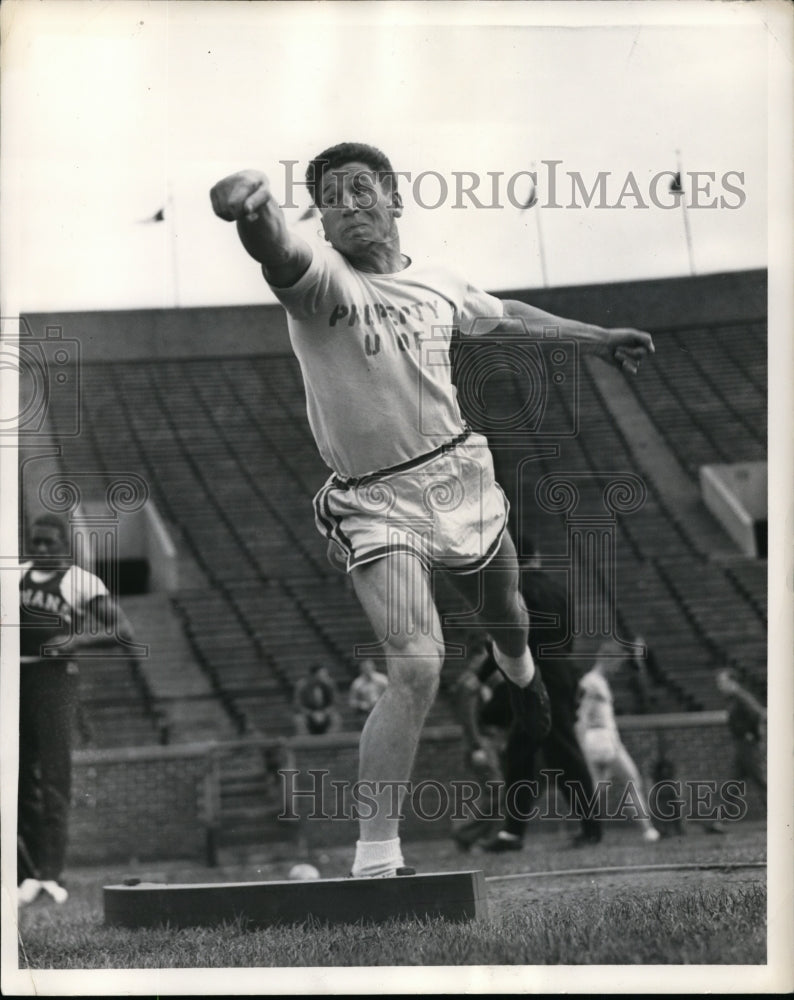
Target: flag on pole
<point x="677" y="190"/>
<point x="159" y="216"/>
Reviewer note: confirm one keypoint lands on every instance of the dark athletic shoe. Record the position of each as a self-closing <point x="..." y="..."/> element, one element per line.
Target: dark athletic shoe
<point x="531" y="708"/>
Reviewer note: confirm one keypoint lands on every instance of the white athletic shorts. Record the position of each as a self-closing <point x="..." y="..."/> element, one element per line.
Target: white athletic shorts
<point x="445" y="507"/>
<point x="601" y="745"/>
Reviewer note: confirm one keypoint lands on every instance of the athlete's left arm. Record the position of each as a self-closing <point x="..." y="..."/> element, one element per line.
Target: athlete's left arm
<point x="622" y="346"/>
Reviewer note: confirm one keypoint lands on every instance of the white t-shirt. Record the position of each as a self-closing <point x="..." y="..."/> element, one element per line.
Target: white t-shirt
<point x="595" y="709"/>
<point x="365" y="691"/>
<point x="77" y="587"/>
<point x="374" y="352"/>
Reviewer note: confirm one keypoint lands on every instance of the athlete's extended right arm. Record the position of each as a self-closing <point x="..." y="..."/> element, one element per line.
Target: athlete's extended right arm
<point x="246" y="198"/>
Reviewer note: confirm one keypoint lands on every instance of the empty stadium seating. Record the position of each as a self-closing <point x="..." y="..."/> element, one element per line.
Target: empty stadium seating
<point x="225" y="448"/>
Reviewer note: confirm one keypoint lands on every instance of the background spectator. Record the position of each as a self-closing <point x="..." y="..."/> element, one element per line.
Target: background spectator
<point x="366" y="689"/>
<point x="598" y="735"/>
<point x="315" y="703"/>
<point x="63" y="609"/>
<point x="746" y="722"/>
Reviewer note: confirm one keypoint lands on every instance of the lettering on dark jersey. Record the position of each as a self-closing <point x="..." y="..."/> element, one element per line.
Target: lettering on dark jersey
<point x="44" y="614"/>
<point x="33" y="598"/>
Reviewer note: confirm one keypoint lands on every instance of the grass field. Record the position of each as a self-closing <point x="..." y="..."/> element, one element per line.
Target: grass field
<point x="714" y="915"/>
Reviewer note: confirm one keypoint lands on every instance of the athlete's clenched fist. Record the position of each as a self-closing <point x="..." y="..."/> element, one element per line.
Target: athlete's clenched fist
<point x="239" y="195"/>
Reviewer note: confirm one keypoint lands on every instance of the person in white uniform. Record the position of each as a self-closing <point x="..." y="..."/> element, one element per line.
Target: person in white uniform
<point x="597" y="732"/>
<point x="411" y="489"/>
<point x="366" y="689"/>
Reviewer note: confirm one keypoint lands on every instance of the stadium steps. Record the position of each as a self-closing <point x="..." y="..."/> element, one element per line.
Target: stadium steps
<point x="249" y="797"/>
<point x="117" y="707"/>
<point x="176" y="681"/>
<point x="708" y="393"/>
<point x="254" y="820"/>
<point x="228" y="649"/>
<point x="744" y="629"/>
<point x="674" y="493"/>
<point x="750" y="578"/>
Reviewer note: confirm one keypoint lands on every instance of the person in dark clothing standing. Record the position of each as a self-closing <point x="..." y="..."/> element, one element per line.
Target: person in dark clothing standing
<point x="63" y="608"/>
<point x="745" y="720"/>
<point x="548" y="606"/>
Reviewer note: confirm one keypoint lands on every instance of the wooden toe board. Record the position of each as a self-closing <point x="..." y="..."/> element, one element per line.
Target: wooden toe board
<point x="457" y="896"/>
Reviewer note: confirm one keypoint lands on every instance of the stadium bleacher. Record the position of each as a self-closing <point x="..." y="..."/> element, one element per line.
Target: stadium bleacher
<point x="225" y="448"/>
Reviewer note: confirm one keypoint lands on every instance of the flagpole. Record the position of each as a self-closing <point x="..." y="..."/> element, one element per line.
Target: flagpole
<point x="687" y="232"/>
<point x="170" y="217"/>
<point x="541" y="249"/>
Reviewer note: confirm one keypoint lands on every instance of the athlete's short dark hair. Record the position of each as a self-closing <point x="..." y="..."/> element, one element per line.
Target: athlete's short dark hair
<point x="347" y="152"/>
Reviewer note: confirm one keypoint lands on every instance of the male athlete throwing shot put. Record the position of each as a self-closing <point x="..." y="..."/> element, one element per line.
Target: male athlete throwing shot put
<point x="412" y="489"/>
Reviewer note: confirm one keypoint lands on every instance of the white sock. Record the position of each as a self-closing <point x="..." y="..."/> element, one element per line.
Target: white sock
<point x="377" y="857"/>
<point x="519" y="669"/>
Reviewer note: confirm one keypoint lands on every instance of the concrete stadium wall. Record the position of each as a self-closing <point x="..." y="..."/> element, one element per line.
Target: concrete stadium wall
<point x="138" y="334"/>
<point x="153" y="803"/>
<point x="146" y="334"/>
<point x="138" y="803"/>
<point x="728" y="297"/>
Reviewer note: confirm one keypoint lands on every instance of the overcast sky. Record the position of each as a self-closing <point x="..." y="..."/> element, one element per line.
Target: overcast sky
<point x="113" y="111"/>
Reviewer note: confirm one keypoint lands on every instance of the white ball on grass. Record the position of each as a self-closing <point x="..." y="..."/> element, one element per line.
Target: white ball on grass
<point x="303" y="872"/>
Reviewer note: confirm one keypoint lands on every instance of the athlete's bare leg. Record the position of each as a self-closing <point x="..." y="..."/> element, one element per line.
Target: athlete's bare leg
<point x="494" y="595"/>
<point x="395" y="593"/>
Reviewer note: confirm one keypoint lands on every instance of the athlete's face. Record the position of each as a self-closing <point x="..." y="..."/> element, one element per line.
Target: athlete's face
<point x="358" y="210"/>
<point x="46" y="544"/>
